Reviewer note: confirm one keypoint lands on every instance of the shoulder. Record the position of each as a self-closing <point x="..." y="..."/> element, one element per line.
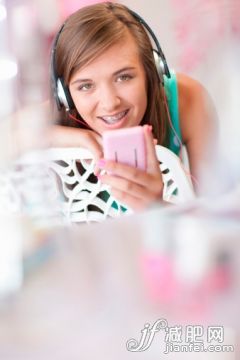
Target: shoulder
<point x="192" y="94"/>
<point x="196" y="109"/>
<point x="198" y="122"/>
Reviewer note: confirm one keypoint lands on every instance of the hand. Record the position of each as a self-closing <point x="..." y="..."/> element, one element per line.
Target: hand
<point x="131" y="186"/>
<point x="75" y="137"/>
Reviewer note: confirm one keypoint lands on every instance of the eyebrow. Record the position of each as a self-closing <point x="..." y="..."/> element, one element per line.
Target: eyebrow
<point x="114" y="74"/>
<point x="124" y="69"/>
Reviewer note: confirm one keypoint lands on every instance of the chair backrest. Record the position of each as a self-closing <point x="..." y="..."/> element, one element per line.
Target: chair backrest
<point x="178" y="186"/>
<point x="82" y="197"/>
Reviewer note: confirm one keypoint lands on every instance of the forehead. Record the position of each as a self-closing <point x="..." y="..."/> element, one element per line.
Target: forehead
<point x="126" y="48"/>
<point x="122" y="53"/>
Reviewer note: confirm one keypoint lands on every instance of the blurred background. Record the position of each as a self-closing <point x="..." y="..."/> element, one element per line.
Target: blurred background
<point x="206" y="47"/>
<point x="52" y="300"/>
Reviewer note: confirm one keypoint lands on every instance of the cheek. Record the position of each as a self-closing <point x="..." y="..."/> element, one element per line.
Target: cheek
<point x="83" y="107"/>
<point x="80" y="107"/>
<point x="142" y="99"/>
<point x="141" y="94"/>
<point x="137" y="95"/>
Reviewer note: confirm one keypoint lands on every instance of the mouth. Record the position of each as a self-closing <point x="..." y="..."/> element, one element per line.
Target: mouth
<point x="114" y="119"/>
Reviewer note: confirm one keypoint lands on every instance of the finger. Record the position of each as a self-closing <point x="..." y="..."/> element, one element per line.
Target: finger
<point x="128" y="200"/>
<point x="132" y="188"/>
<point x="152" y="161"/>
<point x="94" y="144"/>
<point x="96" y="151"/>
<point x="98" y="138"/>
<point x="124" y="171"/>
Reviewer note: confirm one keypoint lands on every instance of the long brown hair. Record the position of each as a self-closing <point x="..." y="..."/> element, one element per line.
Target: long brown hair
<point x="88" y="33"/>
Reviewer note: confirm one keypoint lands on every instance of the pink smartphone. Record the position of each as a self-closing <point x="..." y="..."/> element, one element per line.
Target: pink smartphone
<point x="126" y="146"/>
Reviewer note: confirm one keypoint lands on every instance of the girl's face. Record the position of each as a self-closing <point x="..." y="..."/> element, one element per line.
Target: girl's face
<point x="110" y="92"/>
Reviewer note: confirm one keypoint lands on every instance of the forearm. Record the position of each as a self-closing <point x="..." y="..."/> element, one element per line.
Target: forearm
<point x="63" y="136"/>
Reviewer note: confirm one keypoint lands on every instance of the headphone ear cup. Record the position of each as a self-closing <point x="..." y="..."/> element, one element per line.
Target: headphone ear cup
<point x="159" y="66"/>
<point x="64" y="97"/>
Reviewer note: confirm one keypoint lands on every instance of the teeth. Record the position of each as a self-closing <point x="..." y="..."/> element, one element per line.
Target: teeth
<point x="115" y="118"/>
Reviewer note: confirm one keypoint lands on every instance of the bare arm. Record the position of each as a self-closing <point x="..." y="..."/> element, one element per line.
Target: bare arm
<point x="63" y="136"/>
<point x="198" y="120"/>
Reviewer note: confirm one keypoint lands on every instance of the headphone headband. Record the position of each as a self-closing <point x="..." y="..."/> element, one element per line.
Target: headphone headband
<point x="61" y="91"/>
<point x="164" y="65"/>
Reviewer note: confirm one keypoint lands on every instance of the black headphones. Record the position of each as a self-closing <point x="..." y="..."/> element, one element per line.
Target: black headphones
<point x="61" y="91"/>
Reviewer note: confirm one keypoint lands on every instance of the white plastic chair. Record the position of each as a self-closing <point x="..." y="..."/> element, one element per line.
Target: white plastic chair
<point x="177" y="182"/>
<point x="83" y="198"/>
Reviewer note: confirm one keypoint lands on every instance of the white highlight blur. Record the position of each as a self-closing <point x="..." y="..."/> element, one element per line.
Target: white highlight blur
<point x="3" y="12"/>
<point x="8" y="69"/>
<point x="8" y="72"/>
<point x="11" y="272"/>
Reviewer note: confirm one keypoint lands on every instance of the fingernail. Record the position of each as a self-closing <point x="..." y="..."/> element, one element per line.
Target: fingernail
<point x="101" y="163"/>
<point x="149" y="128"/>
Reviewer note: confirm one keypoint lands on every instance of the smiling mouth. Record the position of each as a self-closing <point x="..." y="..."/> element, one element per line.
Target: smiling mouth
<point x="113" y="119"/>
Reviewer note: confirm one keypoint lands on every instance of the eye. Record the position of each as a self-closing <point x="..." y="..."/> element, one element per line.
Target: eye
<point x="124" y="77"/>
<point x="85" y="87"/>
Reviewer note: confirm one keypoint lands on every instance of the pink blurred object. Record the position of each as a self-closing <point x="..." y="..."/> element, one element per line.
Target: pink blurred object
<point x="187" y="300"/>
<point x="68" y="7"/>
<point x="159" y="277"/>
<point x="218" y="280"/>
<point x="208" y="23"/>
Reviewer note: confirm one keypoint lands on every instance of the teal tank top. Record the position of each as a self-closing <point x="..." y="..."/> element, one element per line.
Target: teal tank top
<point x="171" y="90"/>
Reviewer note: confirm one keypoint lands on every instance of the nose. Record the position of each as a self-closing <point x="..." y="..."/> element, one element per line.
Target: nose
<point x="109" y="99"/>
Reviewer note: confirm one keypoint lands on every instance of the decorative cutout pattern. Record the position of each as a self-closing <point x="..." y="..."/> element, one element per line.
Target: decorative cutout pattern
<point x="65" y="177"/>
